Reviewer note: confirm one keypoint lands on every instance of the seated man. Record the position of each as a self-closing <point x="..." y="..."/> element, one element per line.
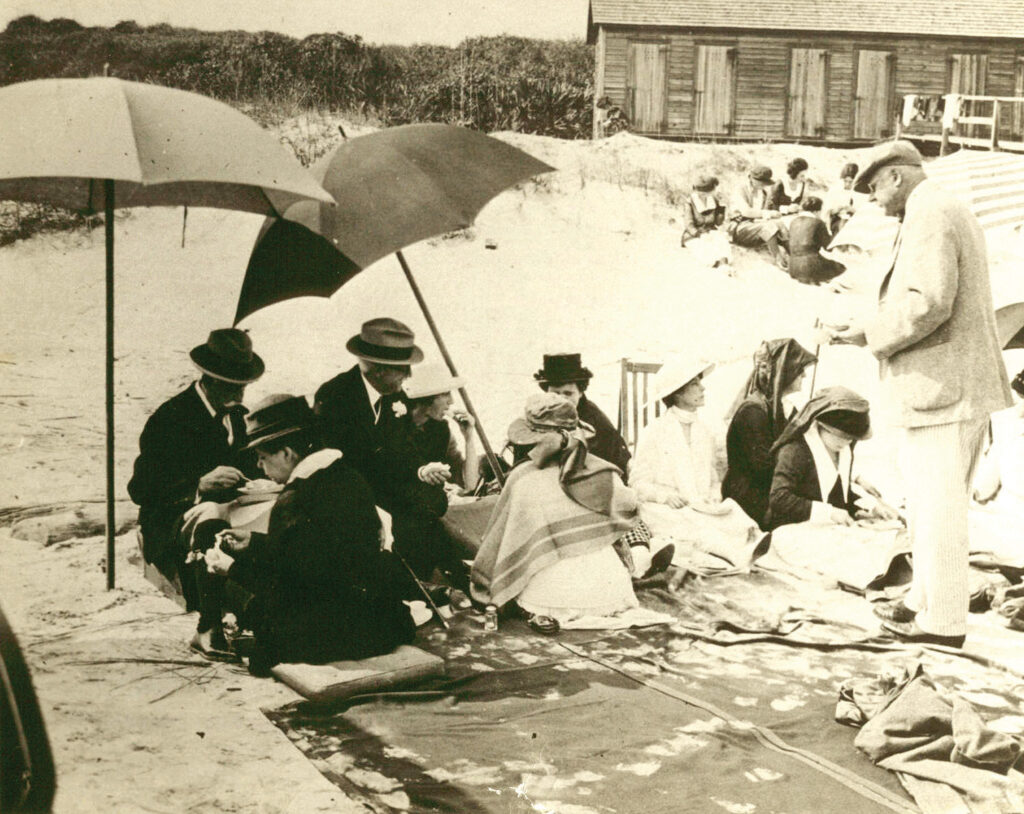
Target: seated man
<point x="316" y="587"/>
<point x="565" y="375"/>
<point x="191" y="448"/>
<point x="754" y="222"/>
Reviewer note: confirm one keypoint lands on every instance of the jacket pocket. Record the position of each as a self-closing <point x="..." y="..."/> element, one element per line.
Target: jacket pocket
<point x="928" y="378"/>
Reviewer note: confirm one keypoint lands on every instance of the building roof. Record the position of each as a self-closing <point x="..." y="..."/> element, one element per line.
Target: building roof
<point x="959" y="18"/>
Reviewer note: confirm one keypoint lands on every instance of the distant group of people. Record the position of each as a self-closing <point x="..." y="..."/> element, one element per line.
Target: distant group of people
<point x="579" y="518"/>
<point x="759" y="218"/>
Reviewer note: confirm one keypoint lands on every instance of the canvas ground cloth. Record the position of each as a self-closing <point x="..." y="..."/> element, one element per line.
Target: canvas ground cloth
<point x="568" y="724"/>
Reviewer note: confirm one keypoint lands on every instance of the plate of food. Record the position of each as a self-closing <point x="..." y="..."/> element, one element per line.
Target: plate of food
<point x="256" y="491"/>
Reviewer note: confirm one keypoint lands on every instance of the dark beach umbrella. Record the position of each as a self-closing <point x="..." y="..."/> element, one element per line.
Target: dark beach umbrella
<point x="394" y="188"/>
<point x="93" y="144"/>
<point x="1010" y="325"/>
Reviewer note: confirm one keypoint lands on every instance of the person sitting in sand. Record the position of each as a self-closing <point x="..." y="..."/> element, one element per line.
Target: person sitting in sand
<point x="703" y="217"/>
<point x="755" y="221"/>
<point x="674" y="472"/>
<point x="808" y="235"/>
<point x="842" y="200"/>
<point x="549" y="548"/>
<point x="316" y="587"/>
<point x="758" y="421"/>
<point x="789" y="192"/>
<point x="564" y="374"/>
<point x="191" y="450"/>
<point x="423" y="461"/>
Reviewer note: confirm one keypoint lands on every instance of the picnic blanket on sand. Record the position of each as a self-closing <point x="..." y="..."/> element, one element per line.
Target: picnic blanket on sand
<point x="535" y="523"/>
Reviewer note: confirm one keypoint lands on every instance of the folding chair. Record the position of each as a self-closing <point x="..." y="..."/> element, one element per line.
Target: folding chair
<point x="634" y="410"/>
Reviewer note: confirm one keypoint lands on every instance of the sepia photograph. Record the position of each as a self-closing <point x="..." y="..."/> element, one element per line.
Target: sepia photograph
<point x="512" y="406"/>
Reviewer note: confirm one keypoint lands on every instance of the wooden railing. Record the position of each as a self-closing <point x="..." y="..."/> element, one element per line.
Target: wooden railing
<point x="993" y="122"/>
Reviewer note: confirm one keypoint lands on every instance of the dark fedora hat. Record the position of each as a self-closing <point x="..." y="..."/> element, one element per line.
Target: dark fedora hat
<point x="227" y="355"/>
<point x="562" y="368"/>
<point x="385" y="341"/>
<point x="277" y="416"/>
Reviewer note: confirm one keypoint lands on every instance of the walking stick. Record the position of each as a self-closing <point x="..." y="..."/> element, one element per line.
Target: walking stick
<point x="423" y="590"/>
<point x="817" y="350"/>
<point x="491" y="457"/>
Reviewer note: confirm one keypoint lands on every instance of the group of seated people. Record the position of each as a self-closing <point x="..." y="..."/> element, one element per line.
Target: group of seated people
<point x="758" y="219"/>
<point x="566" y="538"/>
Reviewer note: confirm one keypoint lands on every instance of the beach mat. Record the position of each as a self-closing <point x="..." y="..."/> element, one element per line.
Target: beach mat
<point x="330" y="683"/>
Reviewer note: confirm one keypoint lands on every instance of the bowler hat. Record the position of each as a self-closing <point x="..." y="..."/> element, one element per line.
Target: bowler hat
<point x="761" y="174"/>
<point x="677" y="373"/>
<point x="431" y="380"/>
<point x="546" y="413"/>
<point x="889" y="154"/>
<point x="561" y="368"/>
<point x="385" y="341"/>
<point x="276" y="416"/>
<point x="227" y="355"/>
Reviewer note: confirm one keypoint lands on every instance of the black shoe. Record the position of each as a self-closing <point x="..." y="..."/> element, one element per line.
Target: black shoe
<point x="893" y="612"/>
<point x="661" y="561"/>
<point x="912" y="634"/>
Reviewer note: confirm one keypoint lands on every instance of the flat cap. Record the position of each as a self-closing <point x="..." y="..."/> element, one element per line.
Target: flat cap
<point x="889" y="154"/>
<point x="761" y="174"/>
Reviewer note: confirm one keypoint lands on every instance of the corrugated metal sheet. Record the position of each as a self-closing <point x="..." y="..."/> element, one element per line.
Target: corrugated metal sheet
<point x="960" y="18"/>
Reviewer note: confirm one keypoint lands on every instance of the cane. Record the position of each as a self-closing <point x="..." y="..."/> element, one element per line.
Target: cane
<point x="817" y="350"/>
<point x="423" y="591"/>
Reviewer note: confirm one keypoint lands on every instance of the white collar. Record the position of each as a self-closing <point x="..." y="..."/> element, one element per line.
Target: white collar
<point x="206" y="401"/>
<point x="314" y="462"/>
<point x="827" y="471"/>
<point x="371" y="394"/>
<point x="682" y="416"/>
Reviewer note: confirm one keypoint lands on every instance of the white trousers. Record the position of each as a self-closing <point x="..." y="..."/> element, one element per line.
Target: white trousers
<point x="937" y="465"/>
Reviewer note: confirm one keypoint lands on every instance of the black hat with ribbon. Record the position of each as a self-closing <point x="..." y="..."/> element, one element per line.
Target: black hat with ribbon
<point x="227" y="355"/>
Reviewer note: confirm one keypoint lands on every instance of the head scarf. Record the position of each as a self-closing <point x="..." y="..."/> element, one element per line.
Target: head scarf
<point x="777" y="363"/>
<point x="824" y="401"/>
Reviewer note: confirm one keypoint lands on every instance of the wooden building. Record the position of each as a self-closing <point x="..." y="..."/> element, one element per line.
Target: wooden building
<point x="808" y="70"/>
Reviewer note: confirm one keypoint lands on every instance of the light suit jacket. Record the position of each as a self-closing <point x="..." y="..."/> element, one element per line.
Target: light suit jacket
<point x="935" y="329"/>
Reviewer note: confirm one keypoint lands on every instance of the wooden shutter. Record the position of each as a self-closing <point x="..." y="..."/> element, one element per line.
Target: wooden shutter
<point x="647" y="86"/>
<point x="808" y="90"/>
<point x="873" y="103"/>
<point x="713" y="89"/>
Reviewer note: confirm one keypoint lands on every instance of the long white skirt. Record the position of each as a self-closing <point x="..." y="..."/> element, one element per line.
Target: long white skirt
<point x="593" y="584"/>
<point x="731" y="537"/>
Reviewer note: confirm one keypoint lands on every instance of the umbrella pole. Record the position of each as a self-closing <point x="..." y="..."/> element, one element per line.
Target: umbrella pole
<point x="491" y="457"/>
<point x="108" y="199"/>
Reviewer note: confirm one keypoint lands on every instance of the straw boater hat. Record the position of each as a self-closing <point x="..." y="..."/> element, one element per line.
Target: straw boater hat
<point x="546" y="413"/>
<point x="277" y="416"/>
<point x="677" y="373"/>
<point x="562" y="368"/>
<point x="227" y="355"/>
<point x="889" y="154"/>
<point x="385" y="341"/>
<point x="431" y="380"/>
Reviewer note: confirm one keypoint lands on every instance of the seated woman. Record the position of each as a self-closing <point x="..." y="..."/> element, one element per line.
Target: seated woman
<point x="808" y="235"/>
<point x="760" y="418"/>
<point x="842" y="201"/>
<point x="812" y="489"/>
<point x="549" y="546"/>
<point x="788" y="193"/>
<point x="316" y="587"/>
<point x="703" y="215"/>
<point x="423" y="460"/>
<point x="675" y="479"/>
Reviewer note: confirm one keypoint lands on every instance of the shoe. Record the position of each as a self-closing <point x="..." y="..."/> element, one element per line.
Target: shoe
<point x="912" y="634"/>
<point x="660" y="561"/>
<point x="893" y="612"/>
<point x="545" y="625"/>
<point x="212" y="646"/>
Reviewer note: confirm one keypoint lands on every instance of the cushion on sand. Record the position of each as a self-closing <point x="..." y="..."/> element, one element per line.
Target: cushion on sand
<point x="338" y="680"/>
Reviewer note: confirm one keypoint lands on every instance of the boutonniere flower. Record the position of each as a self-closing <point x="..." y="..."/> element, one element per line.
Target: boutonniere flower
<point x="399" y="408"/>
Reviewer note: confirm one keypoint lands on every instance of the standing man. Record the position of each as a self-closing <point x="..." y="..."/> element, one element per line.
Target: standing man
<point x="942" y="375"/>
<point x="191" y="448"/>
<point x="354" y="405"/>
<point x="755" y="221"/>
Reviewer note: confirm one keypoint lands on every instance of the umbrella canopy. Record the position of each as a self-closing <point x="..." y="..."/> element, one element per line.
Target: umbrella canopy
<point x="1010" y="325"/>
<point x="394" y="188"/>
<point x="991" y="183"/>
<point x="160" y="146"/>
<point x="93" y="144"/>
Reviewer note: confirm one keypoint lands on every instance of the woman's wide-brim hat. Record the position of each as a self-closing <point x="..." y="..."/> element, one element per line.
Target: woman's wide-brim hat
<point x="227" y="355"/>
<point x="431" y="380"/>
<point x="385" y="341"/>
<point x="562" y="368"/>
<point x="546" y="413"/>
<point x="277" y="416"/>
<point x="678" y="372"/>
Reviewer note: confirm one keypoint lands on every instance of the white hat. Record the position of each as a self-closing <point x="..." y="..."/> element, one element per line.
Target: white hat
<point x="677" y="372"/>
<point x="430" y="380"/>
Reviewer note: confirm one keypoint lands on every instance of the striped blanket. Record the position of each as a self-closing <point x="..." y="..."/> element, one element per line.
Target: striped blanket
<point x="534" y="524"/>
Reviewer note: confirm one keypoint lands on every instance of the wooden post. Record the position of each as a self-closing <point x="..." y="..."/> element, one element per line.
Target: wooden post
<point x="108" y="208"/>
<point x="492" y="459"/>
<point x="944" y="144"/>
<point x="993" y="143"/>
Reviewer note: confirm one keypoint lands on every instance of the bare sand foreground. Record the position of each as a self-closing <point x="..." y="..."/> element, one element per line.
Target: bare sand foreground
<point x="587" y="259"/>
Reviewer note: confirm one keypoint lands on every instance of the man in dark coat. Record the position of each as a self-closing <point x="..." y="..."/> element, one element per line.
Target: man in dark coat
<point x="316" y="587"/>
<point x="191" y="447"/>
<point x="564" y="374"/>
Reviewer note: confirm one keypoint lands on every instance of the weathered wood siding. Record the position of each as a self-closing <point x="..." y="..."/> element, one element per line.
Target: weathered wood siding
<point x="762" y="65"/>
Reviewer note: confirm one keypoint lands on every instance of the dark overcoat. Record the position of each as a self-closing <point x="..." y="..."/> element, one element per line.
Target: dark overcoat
<point x="795" y="486"/>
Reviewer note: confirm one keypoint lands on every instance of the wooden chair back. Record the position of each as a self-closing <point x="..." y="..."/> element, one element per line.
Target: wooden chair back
<point x="635" y="411"/>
